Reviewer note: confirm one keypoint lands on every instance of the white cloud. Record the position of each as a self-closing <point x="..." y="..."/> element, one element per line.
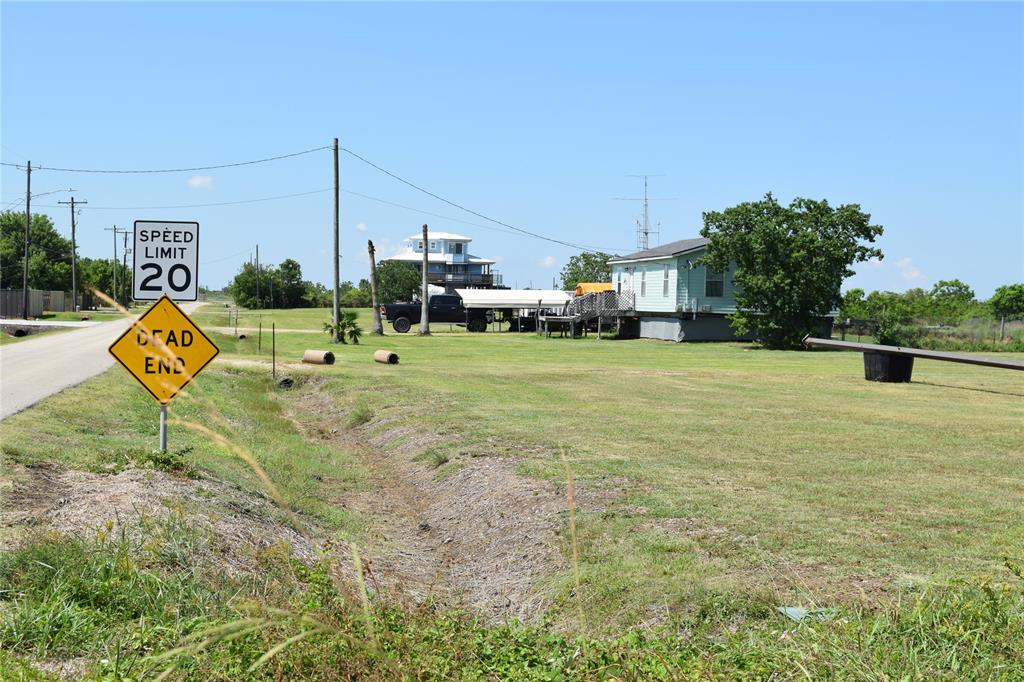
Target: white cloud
<point x="383" y="248"/>
<point x="907" y="268"/>
<point x="547" y="262"/>
<point x="201" y="182"/>
<point x="361" y="227"/>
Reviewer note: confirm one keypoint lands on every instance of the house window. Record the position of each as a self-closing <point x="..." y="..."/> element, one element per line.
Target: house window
<point x="714" y="284"/>
<point x="433" y="246"/>
<point x="643" y="282"/>
<point x="618" y="282"/>
<point x="664" y="283"/>
<point x="458" y="248"/>
<point x="420" y="247"/>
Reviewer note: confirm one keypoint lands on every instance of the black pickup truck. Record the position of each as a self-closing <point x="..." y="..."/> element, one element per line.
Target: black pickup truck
<point x="442" y="308"/>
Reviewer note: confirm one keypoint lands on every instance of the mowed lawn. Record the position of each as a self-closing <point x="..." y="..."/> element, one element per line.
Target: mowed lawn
<point x="705" y="468"/>
<point x="732" y="467"/>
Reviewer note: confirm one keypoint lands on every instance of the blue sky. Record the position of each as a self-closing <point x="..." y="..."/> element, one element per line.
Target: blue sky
<point x="530" y="113"/>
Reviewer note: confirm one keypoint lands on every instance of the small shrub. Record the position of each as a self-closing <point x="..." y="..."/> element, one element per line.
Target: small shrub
<point x="172" y="462"/>
<point x="892" y="330"/>
<point x="434" y="457"/>
<point x="361" y="414"/>
<point x="347" y="329"/>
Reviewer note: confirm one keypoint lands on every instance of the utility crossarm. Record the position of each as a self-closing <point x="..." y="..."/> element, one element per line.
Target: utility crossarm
<point x="914" y="353"/>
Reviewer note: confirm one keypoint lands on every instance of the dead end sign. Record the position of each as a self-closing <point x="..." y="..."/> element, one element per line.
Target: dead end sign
<point x="166" y="260"/>
<point x="164" y="350"/>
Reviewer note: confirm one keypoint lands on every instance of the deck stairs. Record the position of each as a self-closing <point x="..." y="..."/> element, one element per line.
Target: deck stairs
<point x="598" y="305"/>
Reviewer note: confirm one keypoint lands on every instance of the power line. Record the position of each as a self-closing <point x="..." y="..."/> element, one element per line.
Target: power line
<point x="420" y="210"/>
<point x="219" y="203"/>
<point x="218" y="260"/>
<point x="172" y="170"/>
<point x="469" y="210"/>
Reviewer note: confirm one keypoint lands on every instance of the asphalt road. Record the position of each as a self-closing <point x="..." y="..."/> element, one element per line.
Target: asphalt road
<point x="36" y="368"/>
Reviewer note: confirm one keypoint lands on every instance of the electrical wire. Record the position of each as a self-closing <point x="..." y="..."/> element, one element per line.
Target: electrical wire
<point x="436" y="215"/>
<point x="171" y="170"/>
<point x="416" y="187"/>
<point x="218" y="203"/>
<point x="218" y="260"/>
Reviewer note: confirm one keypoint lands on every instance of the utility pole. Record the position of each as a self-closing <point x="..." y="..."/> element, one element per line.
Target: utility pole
<point x="378" y="326"/>
<point x="424" y="308"/>
<point x="337" y="255"/>
<point x="259" y="302"/>
<point x="113" y="263"/>
<point x="124" y="262"/>
<point x="28" y="219"/>
<point x="74" y="254"/>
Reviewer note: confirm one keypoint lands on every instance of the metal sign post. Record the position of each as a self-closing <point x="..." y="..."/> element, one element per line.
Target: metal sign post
<point x="163" y="428"/>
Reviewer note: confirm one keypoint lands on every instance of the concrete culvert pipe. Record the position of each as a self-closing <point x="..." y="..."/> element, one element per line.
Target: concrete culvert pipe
<point x="241" y="336"/>
<point x="19" y="332"/>
<point x="318" y="357"/>
<point x="386" y="356"/>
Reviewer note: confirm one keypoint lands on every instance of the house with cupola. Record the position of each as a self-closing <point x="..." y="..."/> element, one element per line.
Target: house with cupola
<point x="449" y="263"/>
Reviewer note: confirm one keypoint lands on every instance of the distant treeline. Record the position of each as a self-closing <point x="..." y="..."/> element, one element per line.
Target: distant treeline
<point x="49" y="259"/>
<point x="949" y="302"/>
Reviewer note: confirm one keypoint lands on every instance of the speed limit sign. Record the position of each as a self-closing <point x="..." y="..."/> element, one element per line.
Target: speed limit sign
<point x="166" y="259"/>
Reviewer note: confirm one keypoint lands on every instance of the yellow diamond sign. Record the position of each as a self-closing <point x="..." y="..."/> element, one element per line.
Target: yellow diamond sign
<point x="164" y="350"/>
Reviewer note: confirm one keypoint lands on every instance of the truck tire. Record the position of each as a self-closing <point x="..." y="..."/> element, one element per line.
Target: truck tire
<point x="478" y="324"/>
<point x="401" y="325"/>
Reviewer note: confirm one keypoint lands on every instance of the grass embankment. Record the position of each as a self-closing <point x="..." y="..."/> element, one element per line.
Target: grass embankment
<point x="6" y="338"/>
<point x="750" y="479"/>
<point x="120" y="605"/>
<point x="745" y="470"/>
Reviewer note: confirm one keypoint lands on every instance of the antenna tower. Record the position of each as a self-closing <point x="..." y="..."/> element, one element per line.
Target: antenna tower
<point x="643" y="226"/>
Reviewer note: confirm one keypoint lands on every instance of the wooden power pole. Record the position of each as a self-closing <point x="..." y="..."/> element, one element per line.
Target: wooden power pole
<point x="74" y="255"/>
<point x="28" y="219"/>
<point x="378" y="326"/>
<point x="425" y="307"/>
<point x="337" y="255"/>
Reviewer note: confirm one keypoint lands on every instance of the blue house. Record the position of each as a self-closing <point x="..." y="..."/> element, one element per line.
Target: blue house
<point x="449" y="262"/>
<point x="675" y="297"/>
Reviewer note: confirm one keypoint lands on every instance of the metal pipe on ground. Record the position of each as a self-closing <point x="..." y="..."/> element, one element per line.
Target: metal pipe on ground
<point x="810" y="341"/>
<point x="318" y="357"/>
<point x="386" y="357"/>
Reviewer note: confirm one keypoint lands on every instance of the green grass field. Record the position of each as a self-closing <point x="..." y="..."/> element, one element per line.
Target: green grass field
<point x="756" y="477"/>
<point x="819" y="482"/>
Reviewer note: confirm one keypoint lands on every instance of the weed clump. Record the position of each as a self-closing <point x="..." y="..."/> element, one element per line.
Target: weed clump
<point x="361" y="414"/>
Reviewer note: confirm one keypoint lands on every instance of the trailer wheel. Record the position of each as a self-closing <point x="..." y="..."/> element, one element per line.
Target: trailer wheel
<point x="401" y="325"/>
<point x="478" y="324"/>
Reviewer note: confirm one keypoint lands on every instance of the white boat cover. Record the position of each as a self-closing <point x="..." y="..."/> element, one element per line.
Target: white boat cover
<point x="513" y="298"/>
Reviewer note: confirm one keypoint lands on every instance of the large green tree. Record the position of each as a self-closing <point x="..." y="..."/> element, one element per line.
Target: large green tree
<point x="1007" y="303"/>
<point x="951" y="301"/>
<point x="589" y="266"/>
<point x="789" y="262"/>
<point x="397" y="281"/>
<point x="289" y="289"/>
<point x="49" y="254"/>
<point x="98" y="273"/>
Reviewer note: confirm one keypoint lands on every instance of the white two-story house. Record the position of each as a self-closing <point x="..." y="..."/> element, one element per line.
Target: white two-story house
<point x="449" y="262"/>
